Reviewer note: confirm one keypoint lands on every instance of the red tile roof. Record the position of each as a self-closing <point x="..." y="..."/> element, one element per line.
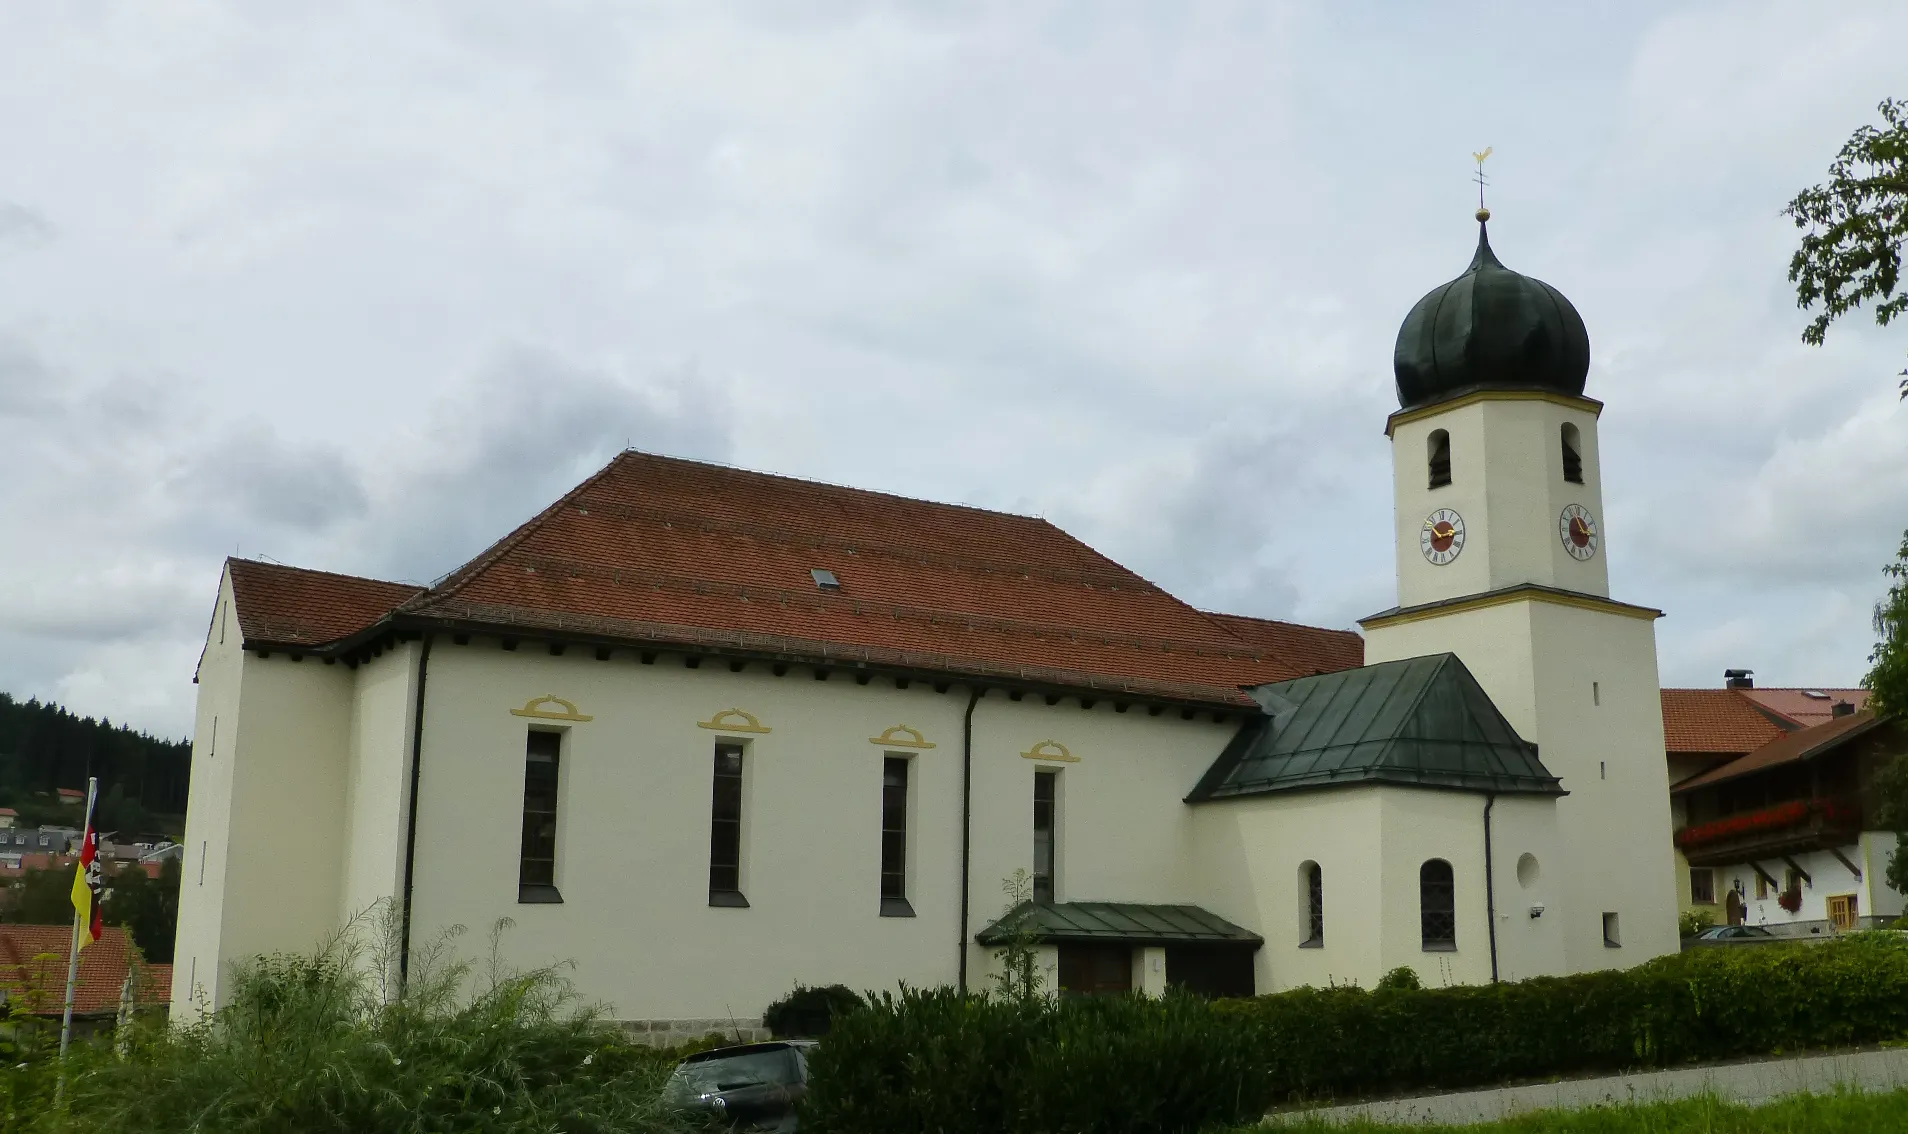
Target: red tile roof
<point x="1802" y="705"/>
<point x="1791" y="747"/>
<point x="659" y="550"/>
<point x="1714" y="722"/>
<point x="33" y="970"/>
<point x="290" y="606"/>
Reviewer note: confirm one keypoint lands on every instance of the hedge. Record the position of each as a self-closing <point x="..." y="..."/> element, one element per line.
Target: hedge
<point x="937" y="1061"/>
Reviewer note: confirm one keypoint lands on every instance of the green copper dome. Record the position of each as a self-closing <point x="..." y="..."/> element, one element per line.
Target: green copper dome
<point x="1490" y="329"/>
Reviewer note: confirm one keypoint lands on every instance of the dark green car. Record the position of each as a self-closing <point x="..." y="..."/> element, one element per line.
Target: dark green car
<point x="753" y="1086"/>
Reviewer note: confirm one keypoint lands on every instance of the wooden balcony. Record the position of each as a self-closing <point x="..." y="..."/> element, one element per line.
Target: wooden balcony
<point x="1782" y="828"/>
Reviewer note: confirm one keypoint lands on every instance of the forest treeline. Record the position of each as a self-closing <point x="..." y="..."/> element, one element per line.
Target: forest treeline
<point x="43" y="747"/>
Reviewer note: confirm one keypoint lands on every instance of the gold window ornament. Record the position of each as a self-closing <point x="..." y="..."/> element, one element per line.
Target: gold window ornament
<point x="735" y="720"/>
<point x="902" y="736"/>
<point x="540" y="708"/>
<point x="1050" y="750"/>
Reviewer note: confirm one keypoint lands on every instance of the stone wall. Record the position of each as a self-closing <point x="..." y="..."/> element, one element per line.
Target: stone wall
<point x="669" y="1033"/>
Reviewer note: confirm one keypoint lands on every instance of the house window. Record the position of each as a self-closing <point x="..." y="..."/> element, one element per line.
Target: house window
<point x="536" y="862"/>
<point x="894" y="838"/>
<point x="1612" y="936"/>
<point x="1762" y="886"/>
<point x="1702" y="886"/>
<point x="725" y="829"/>
<point x="1046" y="785"/>
<point x="1572" y="454"/>
<point x="1313" y="925"/>
<point x="1844" y="910"/>
<point x="1437" y="905"/>
<point x="1793" y="883"/>
<point x="1438" y="455"/>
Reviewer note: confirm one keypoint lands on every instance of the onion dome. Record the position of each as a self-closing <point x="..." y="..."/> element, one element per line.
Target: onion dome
<point x="1490" y="329"/>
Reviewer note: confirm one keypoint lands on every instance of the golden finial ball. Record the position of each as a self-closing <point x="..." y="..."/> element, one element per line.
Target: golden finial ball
<point x="1483" y="214"/>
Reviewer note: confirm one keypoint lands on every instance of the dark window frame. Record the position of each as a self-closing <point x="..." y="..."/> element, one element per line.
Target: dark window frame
<point x="726" y="785"/>
<point x="1704" y="895"/>
<point x="1314" y="906"/>
<point x="894" y="836"/>
<point x="1571" y="442"/>
<point x="1437" y="906"/>
<point x="1046" y="822"/>
<point x="1612" y="931"/>
<point x="1438" y="457"/>
<point x="542" y="798"/>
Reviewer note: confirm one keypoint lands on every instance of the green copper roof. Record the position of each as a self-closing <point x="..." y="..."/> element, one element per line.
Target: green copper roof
<point x="1130" y="923"/>
<point x="1422" y="721"/>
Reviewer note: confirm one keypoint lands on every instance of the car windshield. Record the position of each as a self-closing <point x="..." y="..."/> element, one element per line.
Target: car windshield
<point x="729" y="1072"/>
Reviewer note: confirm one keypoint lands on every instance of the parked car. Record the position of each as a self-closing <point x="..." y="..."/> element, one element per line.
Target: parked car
<point x="751" y="1086"/>
<point x="1728" y="934"/>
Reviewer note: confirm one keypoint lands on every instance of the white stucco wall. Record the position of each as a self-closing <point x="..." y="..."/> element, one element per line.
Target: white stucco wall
<point x="265" y="814"/>
<point x="1582" y="684"/>
<point x="1877" y="848"/>
<point x="377" y="784"/>
<point x="1828" y="877"/>
<point x="633" y="838"/>
<point x="1507" y="482"/>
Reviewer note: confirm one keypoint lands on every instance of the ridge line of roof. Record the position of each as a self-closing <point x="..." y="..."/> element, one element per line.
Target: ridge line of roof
<point x="273" y="566"/>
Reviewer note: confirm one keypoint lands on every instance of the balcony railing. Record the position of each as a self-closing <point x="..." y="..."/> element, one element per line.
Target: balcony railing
<point x="1795" y="820"/>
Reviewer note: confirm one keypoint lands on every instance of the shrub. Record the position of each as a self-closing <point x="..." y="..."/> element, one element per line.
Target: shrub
<point x="1691" y="922"/>
<point x="809" y="1011"/>
<point x="939" y="1061"/>
<point x="1402" y="977"/>
<point x="316" y="1044"/>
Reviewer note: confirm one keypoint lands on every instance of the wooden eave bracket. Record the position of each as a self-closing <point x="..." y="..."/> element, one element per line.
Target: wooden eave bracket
<point x="1797" y="867"/>
<point x="1765" y="876"/>
<point x="1843" y="859"/>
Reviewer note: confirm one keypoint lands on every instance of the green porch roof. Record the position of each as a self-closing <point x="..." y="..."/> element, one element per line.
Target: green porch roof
<point x="1420" y="721"/>
<point x="1131" y="923"/>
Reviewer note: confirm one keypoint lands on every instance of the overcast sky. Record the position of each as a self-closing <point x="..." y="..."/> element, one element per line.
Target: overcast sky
<point x="359" y="286"/>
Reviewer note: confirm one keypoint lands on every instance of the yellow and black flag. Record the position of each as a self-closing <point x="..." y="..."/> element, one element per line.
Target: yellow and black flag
<point x="86" y="888"/>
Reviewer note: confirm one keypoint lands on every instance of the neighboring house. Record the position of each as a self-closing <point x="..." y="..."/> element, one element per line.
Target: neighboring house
<point x="33" y="960"/>
<point x="8" y="817"/>
<point x="745" y="731"/>
<point x="71" y="795"/>
<point x="1793" y="818"/>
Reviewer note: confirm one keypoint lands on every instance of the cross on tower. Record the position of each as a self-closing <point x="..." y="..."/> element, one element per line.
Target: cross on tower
<point x="1483" y="213"/>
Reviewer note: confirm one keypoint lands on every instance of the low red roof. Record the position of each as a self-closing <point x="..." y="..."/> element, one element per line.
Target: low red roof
<point x="1714" y="722"/>
<point x="1791" y="747"/>
<point x="9" y="811"/>
<point x="1806" y="706"/>
<point x="33" y="970"/>
<point x="290" y="606"/>
<point x="660" y="550"/>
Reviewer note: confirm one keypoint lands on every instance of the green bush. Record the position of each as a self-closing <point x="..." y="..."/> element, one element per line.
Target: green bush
<point x="319" y="1044"/>
<point x="1691" y="922"/>
<point x="1402" y="977"/>
<point x="937" y="1061"/>
<point x="809" y="1011"/>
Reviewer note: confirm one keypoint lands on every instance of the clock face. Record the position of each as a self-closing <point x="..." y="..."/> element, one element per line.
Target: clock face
<point x="1442" y="536"/>
<point x="1577" y="528"/>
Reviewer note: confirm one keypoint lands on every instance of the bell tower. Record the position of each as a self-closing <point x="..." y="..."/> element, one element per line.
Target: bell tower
<point x="1501" y="560"/>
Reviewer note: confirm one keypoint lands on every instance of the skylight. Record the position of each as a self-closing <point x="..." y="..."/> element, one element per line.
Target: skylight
<point x="825" y="579"/>
<point x="1815" y="693"/>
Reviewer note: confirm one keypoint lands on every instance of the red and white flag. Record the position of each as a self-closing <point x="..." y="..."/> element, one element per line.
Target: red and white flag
<point x="86" y="887"/>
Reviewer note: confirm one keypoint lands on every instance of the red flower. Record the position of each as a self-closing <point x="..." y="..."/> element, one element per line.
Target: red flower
<point x="1768" y="819"/>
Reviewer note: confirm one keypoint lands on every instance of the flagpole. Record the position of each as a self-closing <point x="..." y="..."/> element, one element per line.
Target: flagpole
<point x="72" y="957"/>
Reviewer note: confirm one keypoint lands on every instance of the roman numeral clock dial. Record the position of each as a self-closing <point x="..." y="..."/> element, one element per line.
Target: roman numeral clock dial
<point x="1441" y="537"/>
<point x="1577" y="528"/>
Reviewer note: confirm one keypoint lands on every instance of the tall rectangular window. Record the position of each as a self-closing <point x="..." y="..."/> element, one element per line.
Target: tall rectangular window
<point x="1045" y="785"/>
<point x="894" y="838"/>
<point x="536" y="862"/>
<point x="725" y="829"/>
<point x="1702" y="886"/>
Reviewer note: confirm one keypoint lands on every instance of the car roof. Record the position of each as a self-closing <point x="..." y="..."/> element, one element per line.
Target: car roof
<point x="749" y="1049"/>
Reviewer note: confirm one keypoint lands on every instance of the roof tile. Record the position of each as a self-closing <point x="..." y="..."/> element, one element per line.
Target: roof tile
<point x="1714" y="722"/>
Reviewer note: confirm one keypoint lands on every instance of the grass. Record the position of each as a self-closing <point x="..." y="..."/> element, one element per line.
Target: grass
<point x="1844" y="1113"/>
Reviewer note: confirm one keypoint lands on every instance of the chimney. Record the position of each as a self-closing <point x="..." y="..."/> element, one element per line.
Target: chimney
<point x="1739" y="679"/>
<point x="1842" y="709"/>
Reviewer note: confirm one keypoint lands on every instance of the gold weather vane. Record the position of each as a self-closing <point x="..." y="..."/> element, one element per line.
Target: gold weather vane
<point x="1483" y="214"/>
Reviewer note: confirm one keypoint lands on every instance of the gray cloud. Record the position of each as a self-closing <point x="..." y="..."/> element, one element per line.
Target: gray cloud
<point x="364" y="291"/>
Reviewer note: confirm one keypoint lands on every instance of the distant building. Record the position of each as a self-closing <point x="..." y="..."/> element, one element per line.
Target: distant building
<point x="8" y="817"/>
<point x="33" y="961"/>
<point x="1770" y="804"/>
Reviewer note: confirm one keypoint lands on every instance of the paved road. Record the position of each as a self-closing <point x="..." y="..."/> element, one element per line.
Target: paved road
<point x="1752" y="1082"/>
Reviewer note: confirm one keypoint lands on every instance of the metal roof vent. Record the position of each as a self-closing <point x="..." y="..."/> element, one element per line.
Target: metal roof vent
<point x="1739" y="679"/>
<point x="1843" y="709"/>
<point x="825" y="579"/>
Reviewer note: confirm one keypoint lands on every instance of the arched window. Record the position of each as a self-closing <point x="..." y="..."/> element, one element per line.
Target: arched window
<point x="1438" y="454"/>
<point x="1312" y="905"/>
<point x="1437" y="904"/>
<point x="1572" y="454"/>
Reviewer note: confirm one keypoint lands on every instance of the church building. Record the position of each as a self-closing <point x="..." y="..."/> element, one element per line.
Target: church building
<point x="707" y="733"/>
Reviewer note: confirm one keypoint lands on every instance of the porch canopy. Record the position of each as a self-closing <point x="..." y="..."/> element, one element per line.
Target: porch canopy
<point x="1122" y="923"/>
